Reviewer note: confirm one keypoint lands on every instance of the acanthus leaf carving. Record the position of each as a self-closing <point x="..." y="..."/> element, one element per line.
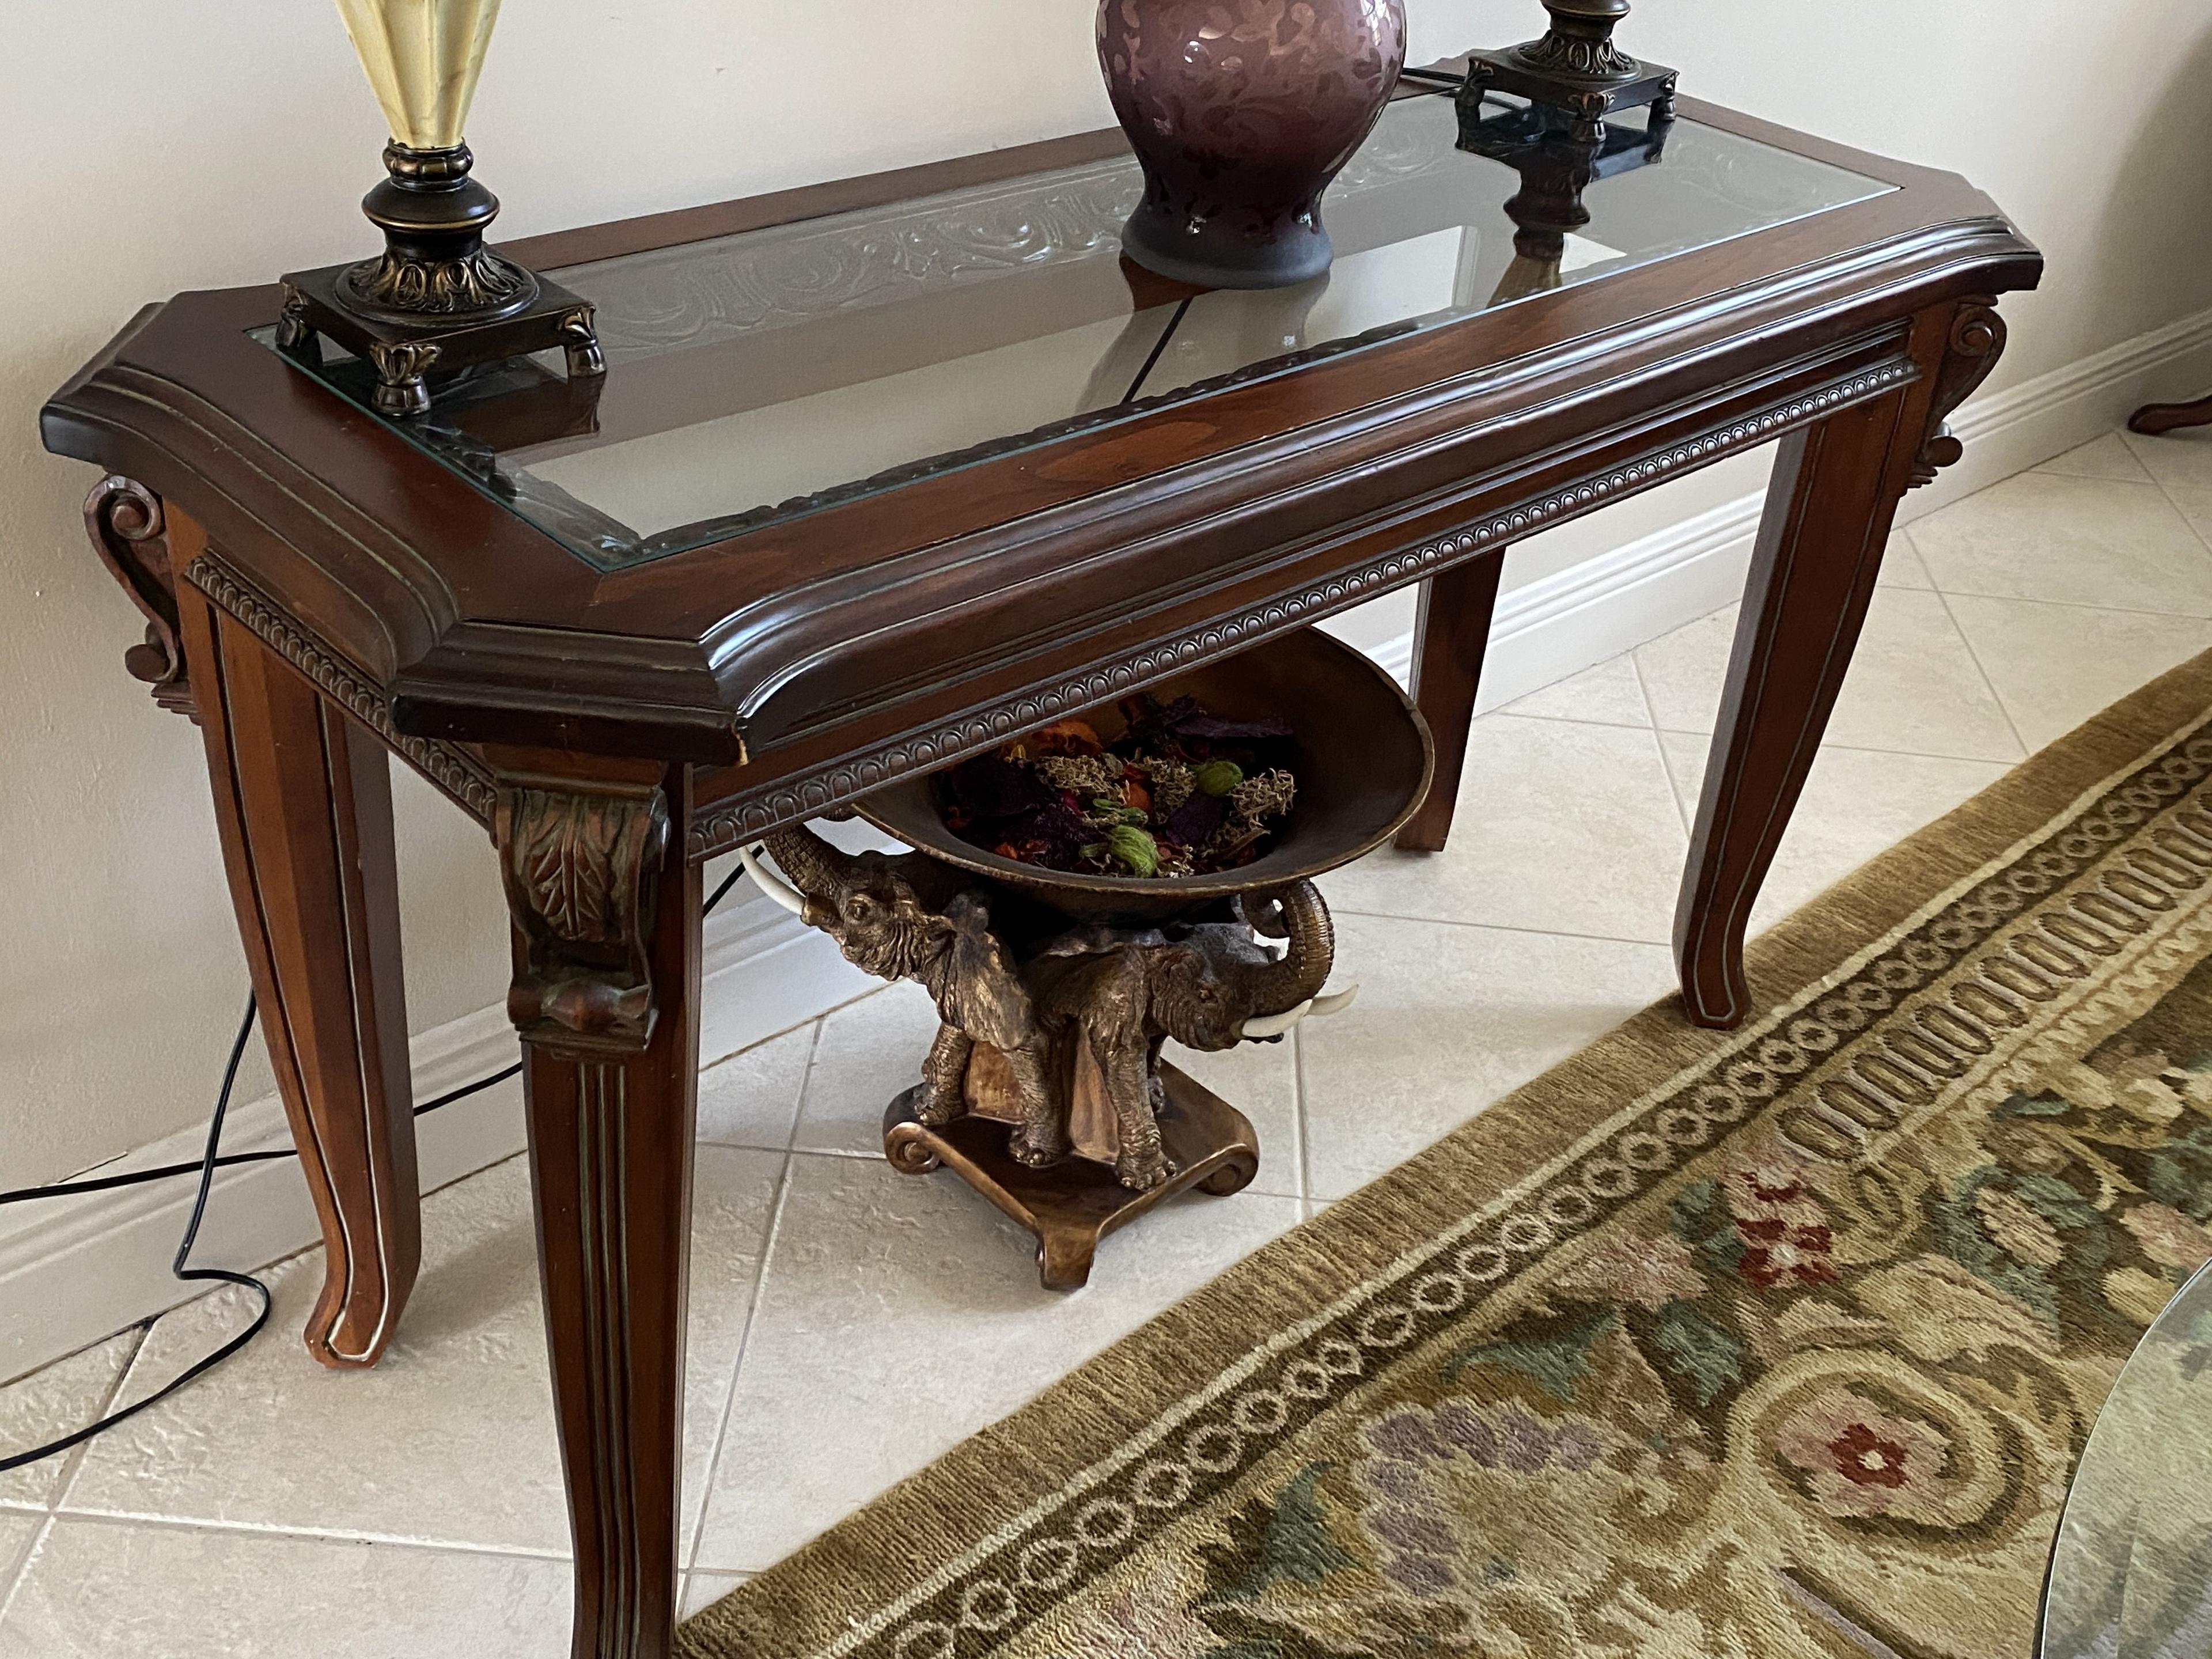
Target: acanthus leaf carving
<point x="582" y="872"/>
<point x="130" y="532"/>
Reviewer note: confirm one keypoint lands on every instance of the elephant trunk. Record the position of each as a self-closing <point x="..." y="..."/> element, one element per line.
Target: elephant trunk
<point x="1299" y="976"/>
<point x="816" y="868"/>
<point x="820" y="872"/>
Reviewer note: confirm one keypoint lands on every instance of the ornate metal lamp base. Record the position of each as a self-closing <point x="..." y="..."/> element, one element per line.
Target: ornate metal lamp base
<point x="403" y="352"/>
<point x="437" y="299"/>
<point x="1070" y="1205"/>
<point x="1575" y="70"/>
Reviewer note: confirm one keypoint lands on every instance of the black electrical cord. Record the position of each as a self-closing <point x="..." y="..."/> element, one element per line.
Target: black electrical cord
<point x="1158" y="346"/>
<point x="165" y="1171"/>
<point x="188" y="1275"/>
<point x="212" y="1160"/>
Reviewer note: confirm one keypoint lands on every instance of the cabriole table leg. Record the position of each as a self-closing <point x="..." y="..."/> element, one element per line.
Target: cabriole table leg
<point x="607" y="912"/>
<point x="303" y="799"/>
<point x="1829" y="513"/>
<point x="1451" y="632"/>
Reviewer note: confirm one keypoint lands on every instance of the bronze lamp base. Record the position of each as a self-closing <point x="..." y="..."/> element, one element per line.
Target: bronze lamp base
<point x="1575" y="69"/>
<point x="437" y="299"/>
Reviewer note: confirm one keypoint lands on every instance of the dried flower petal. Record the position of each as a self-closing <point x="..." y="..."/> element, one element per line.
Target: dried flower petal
<point x="1134" y="848"/>
<point x="1219" y="777"/>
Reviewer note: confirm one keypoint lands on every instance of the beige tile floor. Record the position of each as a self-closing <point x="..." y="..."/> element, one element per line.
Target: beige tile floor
<point x="849" y="1323"/>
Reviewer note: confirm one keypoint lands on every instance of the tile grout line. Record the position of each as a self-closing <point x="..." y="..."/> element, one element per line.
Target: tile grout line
<point x="1302" y="1134"/>
<point x="1506" y="927"/>
<point x="21" y="1569"/>
<point x="1975" y="658"/>
<point x="1667" y="766"/>
<point x="1565" y="719"/>
<point x="752" y="1303"/>
<point x="771" y="1233"/>
<point x="2062" y="605"/>
<point x="805" y="1076"/>
<point x="1943" y="600"/>
<point x="2159" y="484"/>
<point x="78" y="1454"/>
<point x="1900" y="754"/>
<point x="717" y="1063"/>
<point x="205" y="1527"/>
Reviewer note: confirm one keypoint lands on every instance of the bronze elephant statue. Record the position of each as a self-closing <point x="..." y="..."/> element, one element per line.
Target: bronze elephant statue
<point x="1064" y="1021"/>
<point x="1111" y="1002"/>
<point x="907" y="916"/>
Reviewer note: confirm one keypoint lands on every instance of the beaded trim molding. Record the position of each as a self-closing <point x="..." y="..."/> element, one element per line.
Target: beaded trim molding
<point x="462" y="779"/>
<point x="747" y="815"/>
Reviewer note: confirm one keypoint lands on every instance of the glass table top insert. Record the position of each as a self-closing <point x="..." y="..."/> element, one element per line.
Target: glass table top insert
<point x="757" y="377"/>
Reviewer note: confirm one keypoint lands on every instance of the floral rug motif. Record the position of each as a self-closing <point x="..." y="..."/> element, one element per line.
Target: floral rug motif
<point x="1782" y="1341"/>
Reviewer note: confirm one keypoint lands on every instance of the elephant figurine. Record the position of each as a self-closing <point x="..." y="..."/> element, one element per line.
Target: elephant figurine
<point x="907" y="916"/>
<point x="1080" y="1016"/>
<point x="1114" y="1001"/>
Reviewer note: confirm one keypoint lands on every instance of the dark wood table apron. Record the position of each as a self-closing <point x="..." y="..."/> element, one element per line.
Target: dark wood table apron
<point x="316" y="590"/>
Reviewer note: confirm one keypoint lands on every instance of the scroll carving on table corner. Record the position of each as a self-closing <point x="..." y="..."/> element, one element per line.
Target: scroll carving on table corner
<point x="1977" y="341"/>
<point x="130" y="532"/>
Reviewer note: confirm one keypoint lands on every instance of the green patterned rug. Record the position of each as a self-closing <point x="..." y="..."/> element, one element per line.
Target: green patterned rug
<point x="1782" y="1341"/>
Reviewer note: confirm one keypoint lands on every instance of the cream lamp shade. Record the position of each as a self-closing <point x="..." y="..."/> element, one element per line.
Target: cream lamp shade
<point x="422" y="58"/>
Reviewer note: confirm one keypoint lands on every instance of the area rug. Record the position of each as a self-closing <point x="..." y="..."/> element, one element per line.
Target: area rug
<point x="1782" y="1341"/>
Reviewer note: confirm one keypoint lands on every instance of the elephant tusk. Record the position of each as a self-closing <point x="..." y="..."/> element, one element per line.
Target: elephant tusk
<point x="1273" y="1025"/>
<point x="1335" y="1003"/>
<point x="771" y="883"/>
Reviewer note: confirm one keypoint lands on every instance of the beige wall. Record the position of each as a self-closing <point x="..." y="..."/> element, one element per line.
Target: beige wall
<point x="158" y="145"/>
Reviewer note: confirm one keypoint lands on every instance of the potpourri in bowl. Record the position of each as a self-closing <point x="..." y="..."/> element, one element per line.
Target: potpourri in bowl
<point x="1180" y="791"/>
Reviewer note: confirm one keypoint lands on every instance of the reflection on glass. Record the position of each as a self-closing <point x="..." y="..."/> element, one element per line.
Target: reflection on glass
<point x="2131" y="1573"/>
<point x="1555" y="169"/>
<point x="755" y="377"/>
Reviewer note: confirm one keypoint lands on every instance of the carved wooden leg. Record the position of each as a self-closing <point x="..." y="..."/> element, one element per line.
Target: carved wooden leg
<point x="304" y="802"/>
<point x="606" y="909"/>
<point x="1450" y="635"/>
<point x="2152" y="419"/>
<point x="1828" y="517"/>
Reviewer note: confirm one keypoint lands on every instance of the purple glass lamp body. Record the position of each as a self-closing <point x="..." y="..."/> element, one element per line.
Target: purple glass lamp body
<point x="1241" y="111"/>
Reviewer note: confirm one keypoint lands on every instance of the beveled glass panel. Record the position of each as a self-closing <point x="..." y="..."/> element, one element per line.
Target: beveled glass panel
<point x="757" y="377"/>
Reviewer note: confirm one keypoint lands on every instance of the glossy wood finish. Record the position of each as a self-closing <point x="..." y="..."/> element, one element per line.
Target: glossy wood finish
<point x="1451" y="633"/>
<point x="682" y="706"/>
<point x="303" y="800"/>
<point x="1829" y="513"/>
<point x="611" y="1174"/>
<point x="879" y="634"/>
<point x="2153" y="420"/>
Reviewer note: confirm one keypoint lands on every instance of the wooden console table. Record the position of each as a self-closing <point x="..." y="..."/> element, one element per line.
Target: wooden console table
<point x="569" y="609"/>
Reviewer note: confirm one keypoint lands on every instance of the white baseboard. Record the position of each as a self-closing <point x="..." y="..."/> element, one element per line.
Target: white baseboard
<point x="73" y="1271"/>
<point x="2024" y="425"/>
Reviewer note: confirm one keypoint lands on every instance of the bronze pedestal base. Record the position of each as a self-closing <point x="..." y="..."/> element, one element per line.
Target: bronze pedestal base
<point x="1070" y="1205"/>
<point x="403" y="352"/>
<point x="1585" y="100"/>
